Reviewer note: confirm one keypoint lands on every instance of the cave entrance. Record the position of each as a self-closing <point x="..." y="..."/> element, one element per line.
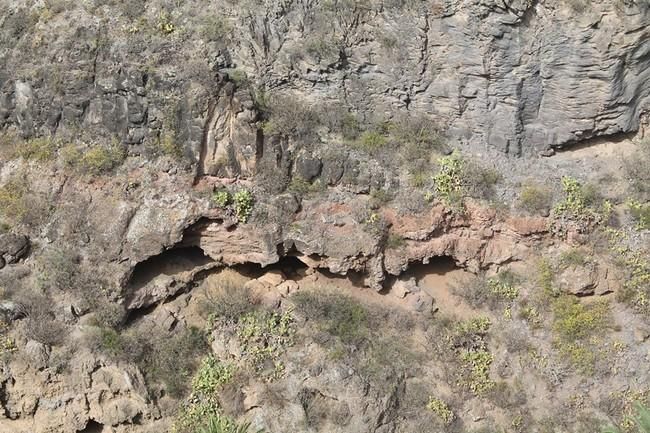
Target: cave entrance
<point x="169" y="262"/>
<point x="92" y="427"/>
<point x="437" y="279"/>
<point x="291" y="266"/>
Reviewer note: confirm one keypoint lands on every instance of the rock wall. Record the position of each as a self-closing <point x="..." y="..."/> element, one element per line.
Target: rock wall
<point x="521" y="76"/>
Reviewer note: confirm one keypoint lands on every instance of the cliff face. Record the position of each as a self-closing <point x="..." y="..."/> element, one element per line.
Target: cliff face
<point x="338" y="155"/>
<point x="521" y="76"/>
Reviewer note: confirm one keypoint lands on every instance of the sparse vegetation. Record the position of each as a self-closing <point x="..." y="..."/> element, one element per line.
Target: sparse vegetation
<point x="39" y="149"/>
<point x="243" y="202"/>
<point x="395" y="241"/>
<point x="576" y="327"/>
<point x="637" y="171"/>
<point x="581" y="207"/>
<point x="478" y="364"/>
<point x="535" y="199"/>
<point x="496" y="292"/>
<point x="221" y="198"/>
<point x="640" y="213"/>
<point x="264" y="336"/>
<point x="640" y="423"/>
<point x="13" y="201"/>
<point x="169" y="146"/>
<point x="458" y="178"/>
<point x="371" y="141"/>
<point x="210" y="376"/>
<point x="340" y="316"/>
<point x="289" y="117"/>
<point x="448" y="181"/>
<point x="573" y="257"/>
<point x="634" y="262"/>
<point x="302" y="187"/>
<point x="441" y="409"/>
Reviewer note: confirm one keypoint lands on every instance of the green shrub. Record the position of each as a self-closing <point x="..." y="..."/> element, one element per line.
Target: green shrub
<point x="164" y="23"/>
<point x="13" y="201"/>
<point x="221" y="198"/>
<point x="371" y="141"/>
<point x="448" y="181"/>
<point x="637" y="171"/>
<point x="223" y="424"/>
<point x="441" y="409"/>
<point x="303" y="187"/>
<point x="39" y="149"/>
<point x="100" y="159"/>
<point x="640" y="213"/>
<point x="211" y="375"/>
<point x="169" y="146"/>
<point x="535" y="199"/>
<point x="574" y="327"/>
<point x="495" y="292"/>
<point x="504" y="287"/>
<point x="164" y="358"/>
<point x="640" y="422"/>
<point x="575" y="321"/>
<point x="338" y="315"/>
<point x="229" y="303"/>
<point x="573" y="257"/>
<point x="478" y="365"/>
<point x="264" y="336"/>
<point x="395" y="241"/>
<point x="581" y="205"/>
<point x="243" y="201"/>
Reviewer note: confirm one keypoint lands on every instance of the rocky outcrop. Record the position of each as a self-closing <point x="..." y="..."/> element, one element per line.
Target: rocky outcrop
<point x="39" y="400"/>
<point x="12" y="248"/>
<point x="520" y="76"/>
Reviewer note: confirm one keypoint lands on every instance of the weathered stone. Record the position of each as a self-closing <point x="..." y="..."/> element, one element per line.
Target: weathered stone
<point x="13" y="247"/>
<point x="308" y="167"/>
<point x="579" y="280"/>
<point x="38" y="354"/>
<point x="272" y="278"/>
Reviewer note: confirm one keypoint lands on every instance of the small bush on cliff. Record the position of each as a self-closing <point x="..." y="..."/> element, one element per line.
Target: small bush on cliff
<point x="39" y="149"/>
<point x="448" y="181"/>
<point x="13" y="201"/>
<point x="222" y="424"/>
<point x="458" y="178"/>
<point x="289" y="117"/>
<point x="441" y="409"/>
<point x="495" y="292"/>
<point x="371" y="141"/>
<point x="640" y="422"/>
<point x="581" y="208"/>
<point x="243" y="202"/>
<point x="535" y="199"/>
<point x="339" y="316"/>
<point x="637" y="171"/>
<point x="640" y="213"/>
<point x="576" y="326"/>
<point x="40" y="322"/>
<point x="221" y="198"/>
<point x="229" y="302"/>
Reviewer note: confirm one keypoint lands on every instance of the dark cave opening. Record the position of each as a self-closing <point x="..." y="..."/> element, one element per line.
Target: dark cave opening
<point x="438" y="266"/>
<point x="291" y="266"/>
<point x="92" y="426"/>
<point x="169" y="262"/>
